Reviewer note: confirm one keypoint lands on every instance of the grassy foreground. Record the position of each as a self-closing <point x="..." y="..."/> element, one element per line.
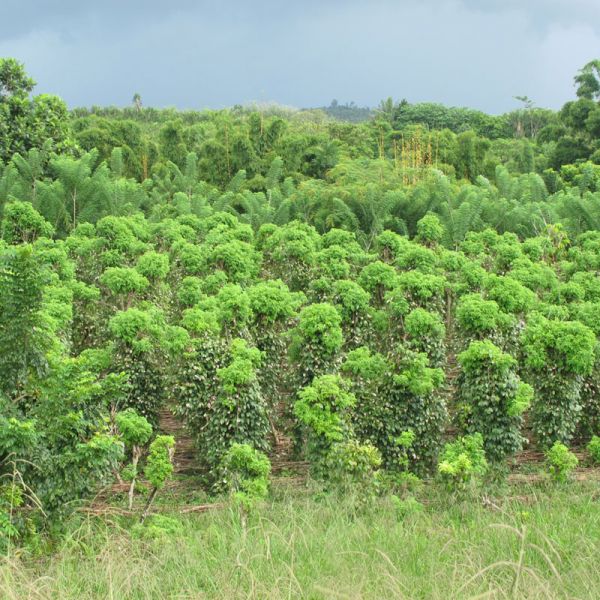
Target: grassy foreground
<point x="541" y="543"/>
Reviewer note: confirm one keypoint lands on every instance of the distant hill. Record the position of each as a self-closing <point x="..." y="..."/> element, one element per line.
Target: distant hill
<point x="349" y="112"/>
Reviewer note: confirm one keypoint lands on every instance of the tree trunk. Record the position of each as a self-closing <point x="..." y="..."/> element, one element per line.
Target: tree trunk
<point x="134" y="463"/>
<point x="148" y="505"/>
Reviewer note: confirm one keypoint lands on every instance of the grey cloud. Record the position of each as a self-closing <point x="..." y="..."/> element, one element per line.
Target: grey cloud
<point x="198" y="54"/>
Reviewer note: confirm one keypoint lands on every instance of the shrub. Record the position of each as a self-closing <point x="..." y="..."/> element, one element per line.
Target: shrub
<point x="22" y="224"/>
<point x="136" y="353"/>
<point x="463" y="461"/>
<point x="189" y="291"/>
<point x="561" y="462"/>
<point x="246" y="471"/>
<point x="124" y="283"/>
<point x="159" y="467"/>
<point x="426" y="334"/>
<point x="377" y="278"/>
<point x="316" y="341"/>
<point x="352" y="302"/>
<point x="324" y="409"/>
<point x="594" y="449"/>
<point x="558" y="355"/>
<point x="430" y="230"/>
<point x="423" y="290"/>
<point x="397" y="476"/>
<point x="410" y="402"/>
<point x="238" y="413"/>
<point x="134" y="429"/>
<point x="494" y="398"/>
<point x="478" y="318"/>
<point x="273" y="308"/>
<point x="156" y="527"/>
<point x="153" y="265"/>
<point x="353" y="467"/>
<point x="136" y="432"/>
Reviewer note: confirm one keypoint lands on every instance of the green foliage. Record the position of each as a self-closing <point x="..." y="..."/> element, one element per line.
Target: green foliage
<point x="412" y="403"/>
<point x="196" y="385"/>
<point x="247" y="473"/>
<point x="242" y="369"/>
<point x="561" y="462"/>
<point x="426" y="334"/>
<point x="233" y="307"/>
<point x="422" y="289"/>
<point x="558" y="354"/>
<point x="271" y="301"/>
<point x="38" y="122"/>
<point x="134" y="327"/>
<point x="151" y="265"/>
<point x="511" y="296"/>
<point x="463" y="461"/>
<point x="157" y="527"/>
<point x="406" y="507"/>
<point x="135" y="430"/>
<point x="22" y="224"/>
<point x="353" y="468"/>
<point x="189" y="291"/>
<point x="570" y="342"/>
<point x="593" y="448"/>
<point x="124" y="281"/>
<point x="324" y="409"/>
<point x="494" y="398"/>
<point x="239" y="260"/>
<point x="377" y="278"/>
<point x="478" y="317"/>
<point x="24" y="335"/>
<point x="394" y="396"/>
<point x="59" y="452"/>
<point x="227" y="405"/>
<point x="159" y="464"/>
<point x="316" y="340"/>
<point x="225" y="260"/>
<point x="321" y="407"/>
<point x="430" y="230"/>
<point x="362" y="363"/>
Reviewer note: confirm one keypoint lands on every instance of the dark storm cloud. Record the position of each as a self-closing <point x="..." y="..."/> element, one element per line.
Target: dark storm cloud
<point x="199" y="53"/>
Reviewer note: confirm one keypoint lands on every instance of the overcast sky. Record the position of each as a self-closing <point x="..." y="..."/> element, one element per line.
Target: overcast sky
<point x="198" y="54"/>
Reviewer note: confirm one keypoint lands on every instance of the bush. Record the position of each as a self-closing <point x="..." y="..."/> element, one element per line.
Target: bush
<point x="430" y="229"/>
<point x="238" y="411"/>
<point x="479" y="318"/>
<point x="159" y="464"/>
<point x="558" y="355"/>
<point x="246" y="472"/>
<point x="316" y="341"/>
<point x="353" y="467"/>
<point x="426" y="334"/>
<point x="324" y="409"/>
<point x="561" y="462"/>
<point x="134" y="429"/>
<point x="408" y="399"/>
<point x="594" y="449"/>
<point x="463" y="461"/>
<point x="136" y="432"/>
<point x="493" y="397"/>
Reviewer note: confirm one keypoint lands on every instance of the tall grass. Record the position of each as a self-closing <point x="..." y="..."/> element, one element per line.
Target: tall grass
<point x="543" y="544"/>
